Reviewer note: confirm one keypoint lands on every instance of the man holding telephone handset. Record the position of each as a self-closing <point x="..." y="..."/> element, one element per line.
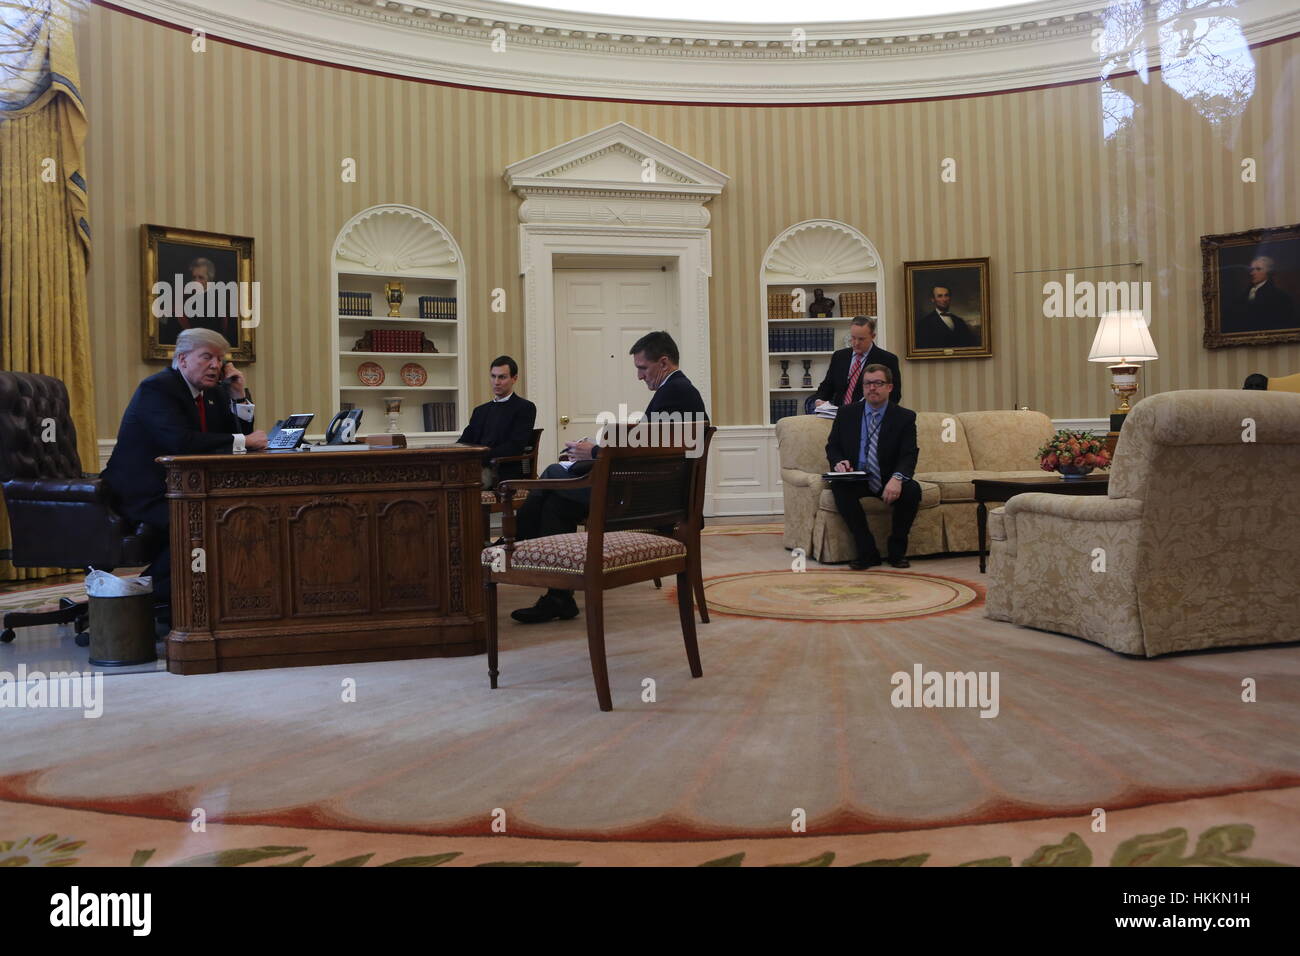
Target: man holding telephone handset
<point x="199" y="406"/>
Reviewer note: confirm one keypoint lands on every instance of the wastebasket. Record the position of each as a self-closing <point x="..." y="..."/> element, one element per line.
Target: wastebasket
<point x="121" y="630"/>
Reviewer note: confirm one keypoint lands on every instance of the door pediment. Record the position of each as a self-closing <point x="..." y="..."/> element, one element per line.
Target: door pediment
<point x="619" y="161"/>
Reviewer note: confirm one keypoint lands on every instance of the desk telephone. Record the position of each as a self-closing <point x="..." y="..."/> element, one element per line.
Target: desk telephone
<point x="289" y="433"/>
<point x="343" y="429"/>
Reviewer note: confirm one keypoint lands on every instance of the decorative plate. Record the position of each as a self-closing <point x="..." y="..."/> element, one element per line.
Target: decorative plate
<point x="370" y="373"/>
<point x="414" y="375"/>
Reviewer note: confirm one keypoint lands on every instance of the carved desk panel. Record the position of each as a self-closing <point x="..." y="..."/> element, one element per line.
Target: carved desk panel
<point x="284" y="559"/>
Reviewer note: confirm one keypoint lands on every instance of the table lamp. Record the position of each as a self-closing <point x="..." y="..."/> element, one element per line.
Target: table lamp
<point x="1123" y="338"/>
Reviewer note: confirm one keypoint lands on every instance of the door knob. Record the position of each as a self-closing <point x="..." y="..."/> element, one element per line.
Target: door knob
<point x="564" y="419"/>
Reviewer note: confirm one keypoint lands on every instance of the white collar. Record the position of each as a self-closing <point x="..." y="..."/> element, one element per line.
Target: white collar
<point x="194" y="392"/>
<point x="498" y="401"/>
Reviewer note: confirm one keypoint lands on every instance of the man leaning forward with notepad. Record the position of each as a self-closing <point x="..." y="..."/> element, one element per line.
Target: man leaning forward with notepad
<point x="878" y="438"/>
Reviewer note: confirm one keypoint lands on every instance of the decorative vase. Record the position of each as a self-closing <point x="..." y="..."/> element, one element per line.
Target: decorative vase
<point x="785" y="373"/>
<point x="1069" y="472"/>
<point x="807" y="373"/>
<point x="394" y="294"/>
<point x="393" y="408"/>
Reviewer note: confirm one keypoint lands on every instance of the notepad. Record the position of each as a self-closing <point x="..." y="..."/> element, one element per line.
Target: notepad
<point x="833" y="475"/>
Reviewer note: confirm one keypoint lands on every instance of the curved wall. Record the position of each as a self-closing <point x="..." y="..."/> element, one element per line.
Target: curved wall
<point x="246" y="142"/>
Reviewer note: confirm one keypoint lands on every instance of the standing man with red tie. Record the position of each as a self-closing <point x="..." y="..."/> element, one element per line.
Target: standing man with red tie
<point x="843" y="382"/>
<point x="183" y="410"/>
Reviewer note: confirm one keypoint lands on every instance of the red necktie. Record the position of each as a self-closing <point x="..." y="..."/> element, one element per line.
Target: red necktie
<point x="853" y="379"/>
<point x="203" y="413"/>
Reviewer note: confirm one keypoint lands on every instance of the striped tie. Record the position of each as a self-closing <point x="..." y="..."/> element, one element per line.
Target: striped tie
<point x="872" y="467"/>
<point x="853" y="379"/>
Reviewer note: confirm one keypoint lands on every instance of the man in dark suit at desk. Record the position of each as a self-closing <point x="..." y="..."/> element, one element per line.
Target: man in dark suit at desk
<point x="184" y="410"/>
<point x="558" y="512"/>
<point x="504" y="425"/>
<point x="942" y="329"/>
<point x="879" y="438"/>
<point x="843" y="382"/>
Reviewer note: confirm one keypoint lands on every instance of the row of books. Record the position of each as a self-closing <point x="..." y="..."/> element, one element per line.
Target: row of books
<point x="354" y="303"/>
<point x="439" y="416"/>
<point x="395" y="340"/>
<point x="437" y="307"/>
<point x="801" y="340"/>
<point x="785" y="407"/>
<point x="780" y="305"/>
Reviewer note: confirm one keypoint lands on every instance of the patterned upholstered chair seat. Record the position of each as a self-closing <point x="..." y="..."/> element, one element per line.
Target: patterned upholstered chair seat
<point x="490" y="497"/>
<point x="567" y="553"/>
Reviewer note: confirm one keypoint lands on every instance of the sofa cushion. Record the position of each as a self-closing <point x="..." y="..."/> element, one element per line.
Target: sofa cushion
<point x="959" y="486"/>
<point x="929" y="499"/>
<point x="1004" y="440"/>
<point x="801" y="442"/>
<point x="942" y="442"/>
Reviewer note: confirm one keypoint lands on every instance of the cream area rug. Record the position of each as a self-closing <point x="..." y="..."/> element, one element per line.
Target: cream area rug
<point x="793" y="748"/>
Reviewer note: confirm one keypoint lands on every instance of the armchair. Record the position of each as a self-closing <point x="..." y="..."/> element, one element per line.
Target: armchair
<point x="1199" y="534"/>
<point x="631" y="487"/>
<point x="58" y="516"/>
<point x="490" y="498"/>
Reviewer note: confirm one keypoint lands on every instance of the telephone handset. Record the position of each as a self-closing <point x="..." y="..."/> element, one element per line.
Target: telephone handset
<point x="288" y="434"/>
<point x="343" y="429"/>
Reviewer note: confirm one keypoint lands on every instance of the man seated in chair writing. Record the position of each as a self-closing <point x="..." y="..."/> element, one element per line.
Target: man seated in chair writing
<point x="546" y="513"/>
<point x="878" y="438"/>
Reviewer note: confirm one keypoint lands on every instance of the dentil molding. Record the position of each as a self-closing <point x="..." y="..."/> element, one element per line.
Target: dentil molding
<point x="501" y="46"/>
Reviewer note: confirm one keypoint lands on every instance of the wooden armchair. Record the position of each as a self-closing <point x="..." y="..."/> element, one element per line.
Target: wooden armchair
<point x="630" y="488"/>
<point x="689" y="533"/>
<point x="491" y="498"/>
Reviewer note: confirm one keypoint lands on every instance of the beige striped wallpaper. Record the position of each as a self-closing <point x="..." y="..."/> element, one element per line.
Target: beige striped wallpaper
<point x="250" y="143"/>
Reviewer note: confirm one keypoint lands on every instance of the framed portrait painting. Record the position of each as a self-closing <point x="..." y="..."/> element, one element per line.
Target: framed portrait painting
<point x="1250" y="287"/>
<point x="948" y="308"/>
<point x="196" y="279"/>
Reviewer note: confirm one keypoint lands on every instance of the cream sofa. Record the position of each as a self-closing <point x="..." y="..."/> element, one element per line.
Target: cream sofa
<point x="1200" y="533"/>
<point x="954" y="450"/>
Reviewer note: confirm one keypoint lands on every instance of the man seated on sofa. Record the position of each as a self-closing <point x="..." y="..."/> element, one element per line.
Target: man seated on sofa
<point x="877" y="437"/>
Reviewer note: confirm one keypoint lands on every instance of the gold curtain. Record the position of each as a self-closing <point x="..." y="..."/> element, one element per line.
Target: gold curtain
<point x="44" y="216"/>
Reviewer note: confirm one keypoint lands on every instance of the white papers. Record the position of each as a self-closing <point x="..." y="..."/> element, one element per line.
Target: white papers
<point x="827" y="411"/>
<point x="831" y="475"/>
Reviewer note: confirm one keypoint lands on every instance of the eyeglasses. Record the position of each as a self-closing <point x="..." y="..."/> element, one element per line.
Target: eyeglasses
<point x="875" y="384"/>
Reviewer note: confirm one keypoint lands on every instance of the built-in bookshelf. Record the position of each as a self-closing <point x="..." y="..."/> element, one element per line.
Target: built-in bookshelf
<point x="818" y="254"/>
<point x="400" y="244"/>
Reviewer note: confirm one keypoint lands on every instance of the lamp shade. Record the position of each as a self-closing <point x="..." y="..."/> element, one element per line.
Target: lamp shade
<point x="1123" y="335"/>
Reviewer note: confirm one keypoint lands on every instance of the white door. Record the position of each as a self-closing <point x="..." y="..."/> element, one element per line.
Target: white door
<point x="599" y="315"/>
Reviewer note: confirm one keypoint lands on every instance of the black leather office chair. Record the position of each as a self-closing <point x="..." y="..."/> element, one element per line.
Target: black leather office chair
<point x="59" y="517"/>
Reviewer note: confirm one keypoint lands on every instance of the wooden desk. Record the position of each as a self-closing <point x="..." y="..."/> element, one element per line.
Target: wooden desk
<point x="1004" y="489"/>
<point x="324" y="558"/>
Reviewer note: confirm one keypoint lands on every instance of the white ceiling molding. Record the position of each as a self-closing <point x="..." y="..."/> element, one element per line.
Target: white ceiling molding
<point x="605" y="57"/>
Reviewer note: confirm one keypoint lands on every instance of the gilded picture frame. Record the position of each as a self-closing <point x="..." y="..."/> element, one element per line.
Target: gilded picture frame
<point x="1250" y="287"/>
<point x="966" y="329"/>
<point x="197" y="279"/>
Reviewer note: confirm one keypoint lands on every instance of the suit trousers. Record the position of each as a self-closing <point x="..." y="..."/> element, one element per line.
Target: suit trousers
<point x="848" y="498"/>
<point x="551" y="512"/>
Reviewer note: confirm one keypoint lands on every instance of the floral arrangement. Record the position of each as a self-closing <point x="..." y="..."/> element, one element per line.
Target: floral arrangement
<point x="1073" y="452"/>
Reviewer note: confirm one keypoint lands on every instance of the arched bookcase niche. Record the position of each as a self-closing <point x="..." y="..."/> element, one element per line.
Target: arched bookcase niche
<point x="816" y="254"/>
<point x="396" y="243"/>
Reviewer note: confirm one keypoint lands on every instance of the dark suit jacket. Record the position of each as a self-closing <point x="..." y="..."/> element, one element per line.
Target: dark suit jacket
<point x="505" y="430"/>
<point x="837" y="375"/>
<point x="896" y="448"/>
<point x="931" y="333"/>
<point x="676" y="394"/>
<point x="1271" y="309"/>
<point x="162" y="420"/>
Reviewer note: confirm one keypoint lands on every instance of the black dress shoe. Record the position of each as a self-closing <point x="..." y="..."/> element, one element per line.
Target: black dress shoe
<point x="547" y="608"/>
<point x="864" y="565"/>
<point x="900" y="562"/>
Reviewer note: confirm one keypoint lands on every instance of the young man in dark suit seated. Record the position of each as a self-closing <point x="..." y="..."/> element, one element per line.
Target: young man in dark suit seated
<point x="504" y="424"/>
<point x="843" y="382"/>
<point x="178" y="411"/>
<point x="879" y="438"/>
<point x="545" y="513"/>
